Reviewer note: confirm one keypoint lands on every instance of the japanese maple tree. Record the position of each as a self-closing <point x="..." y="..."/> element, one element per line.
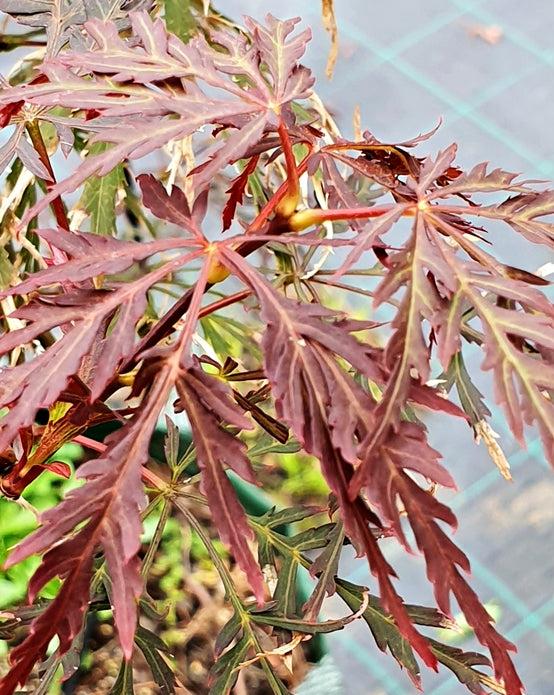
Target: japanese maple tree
<point x="259" y="205"/>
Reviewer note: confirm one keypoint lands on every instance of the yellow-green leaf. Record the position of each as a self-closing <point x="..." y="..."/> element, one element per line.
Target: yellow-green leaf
<point x="179" y="19"/>
<point x="6" y="269"/>
<point x="99" y="195"/>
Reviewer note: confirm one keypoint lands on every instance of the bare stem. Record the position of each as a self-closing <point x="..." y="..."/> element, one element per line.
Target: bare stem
<point x="310" y="218"/>
<point x="270" y="207"/>
<point x="148" y="477"/>
<point x="287" y="205"/>
<point x="223" y="302"/>
<point x="58" y="208"/>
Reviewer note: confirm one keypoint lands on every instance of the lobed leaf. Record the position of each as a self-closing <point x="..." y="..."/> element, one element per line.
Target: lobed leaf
<point x="462" y="665"/>
<point x="522" y="377"/>
<point x="249" y="111"/>
<point x="83" y="313"/>
<point x="208" y="403"/>
<point x="346" y="401"/>
<point x="479" y="180"/>
<point x="172" y="207"/>
<point x="384" y="631"/>
<point x="312" y="395"/>
<point x="62" y="19"/>
<point x="105" y="512"/>
<point x="325" y="568"/>
<point x="90" y="255"/>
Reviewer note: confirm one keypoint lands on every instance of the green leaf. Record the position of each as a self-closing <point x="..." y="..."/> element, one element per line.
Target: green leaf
<point x="179" y="19"/>
<point x="213" y="336"/>
<point x="99" y="195"/>
<point x="124" y="683"/>
<point x="6" y="269"/>
<point x="274" y="519"/>
<point x="461" y="664"/>
<point x="228" y="633"/>
<point x="256" y="186"/>
<point x="301" y="625"/>
<point x="430" y="617"/>
<point x="171" y="443"/>
<point x="471" y="399"/>
<point x="152" y="646"/>
<point x="312" y="538"/>
<point x="265" y="445"/>
<point x="382" y="626"/>
<point x="285" y="591"/>
<point x="150" y="610"/>
<point x="226" y="665"/>
<point x="145" y="636"/>
<point x="227" y="335"/>
<point x="266" y="551"/>
<point x="325" y="567"/>
<point x="271" y="540"/>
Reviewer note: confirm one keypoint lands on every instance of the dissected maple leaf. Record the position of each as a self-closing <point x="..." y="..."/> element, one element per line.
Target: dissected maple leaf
<point x="479" y="180"/>
<point x="387" y="636"/>
<point x="339" y="192"/>
<point x="381" y="162"/>
<point x="347" y="402"/>
<point x="208" y="404"/>
<point x="521" y="213"/>
<point x="91" y="255"/>
<point x="522" y="377"/>
<point x="406" y="349"/>
<point x="431" y="271"/>
<point x="17" y="145"/>
<point x="62" y="19"/>
<point x="172" y="207"/>
<point x="385" y="482"/>
<point x="38" y="383"/>
<point x="236" y="192"/>
<point x="424" y="267"/>
<point x="109" y="506"/>
<point x="165" y="115"/>
<point x="312" y="394"/>
<point x="336" y="421"/>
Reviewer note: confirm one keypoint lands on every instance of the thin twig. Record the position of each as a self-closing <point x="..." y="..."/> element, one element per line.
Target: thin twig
<point x="58" y="208"/>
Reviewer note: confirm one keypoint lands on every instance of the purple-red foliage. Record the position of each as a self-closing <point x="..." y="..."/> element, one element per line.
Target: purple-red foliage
<point x="348" y="399"/>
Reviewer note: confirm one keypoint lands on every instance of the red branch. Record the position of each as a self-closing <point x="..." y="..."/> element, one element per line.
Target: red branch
<point x="58" y="208"/>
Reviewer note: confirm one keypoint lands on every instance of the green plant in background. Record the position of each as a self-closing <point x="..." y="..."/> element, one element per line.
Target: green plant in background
<point x="17" y="522"/>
